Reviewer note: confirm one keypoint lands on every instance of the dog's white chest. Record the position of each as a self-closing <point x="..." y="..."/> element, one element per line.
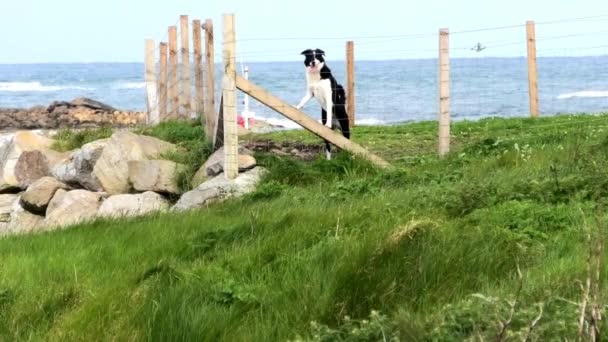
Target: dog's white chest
<point x="321" y="90"/>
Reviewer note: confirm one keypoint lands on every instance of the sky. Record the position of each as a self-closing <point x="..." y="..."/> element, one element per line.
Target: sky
<point x="68" y="31"/>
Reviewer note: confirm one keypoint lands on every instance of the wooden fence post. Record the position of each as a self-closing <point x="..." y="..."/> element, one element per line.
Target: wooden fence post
<point x="151" y="90"/>
<point x="199" y="105"/>
<point x="532" y="74"/>
<point x="210" y="82"/>
<point x="231" y="149"/>
<point x="173" y="74"/>
<point x="162" y="82"/>
<point x="350" y="82"/>
<point x="444" y="91"/>
<point x="185" y="98"/>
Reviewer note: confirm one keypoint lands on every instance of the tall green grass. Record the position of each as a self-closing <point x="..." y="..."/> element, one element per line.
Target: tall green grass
<point x="339" y="250"/>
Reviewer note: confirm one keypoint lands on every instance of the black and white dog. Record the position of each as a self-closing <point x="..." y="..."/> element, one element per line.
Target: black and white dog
<point x="322" y="85"/>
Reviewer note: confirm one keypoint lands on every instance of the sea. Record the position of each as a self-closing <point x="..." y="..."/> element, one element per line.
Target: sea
<point x="386" y="92"/>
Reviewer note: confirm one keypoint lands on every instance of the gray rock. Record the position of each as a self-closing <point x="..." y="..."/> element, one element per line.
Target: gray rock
<point x="23" y="221"/>
<point x="220" y="188"/>
<point x="155" y="175"/>
<point x="31" y="166"/>
<point x="72" y="207"/>
<point x="133" y="205"/>
<point x="112" y="167"/>
<point x="86" y="102"/>
<point x="215" y="164"/>
<point x="78" y="169"/>
<point x="38" y="195"/>
<point x="7" y="202"/>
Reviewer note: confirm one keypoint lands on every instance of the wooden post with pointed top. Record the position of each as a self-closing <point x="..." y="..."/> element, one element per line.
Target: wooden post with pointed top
<point x="444" y="91"/>
<point x="199" y="105"/>
<point x="162" y="82"/>
<point x="350" y="82"/>
<point x="185" y="98"/>
<point x="209" y="81"/>
<point x="532" y="74"/>
<point x="231" y="168"/>
<point x="151" y="89"/>
<point x="173" y="74"/>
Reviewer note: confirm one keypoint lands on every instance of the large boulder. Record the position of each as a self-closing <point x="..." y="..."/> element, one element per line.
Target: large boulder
<point x="15" y="219"/>
<point x="38" y="195"/>
<point x="214" y="165"/>
<point x="155" y="175"/>
<point x="25" y="157"/>
<point x="133" y="205"/>
<point x="78" y="169"/>
<point x="7" y="202"/>
<point x="72" y="207"/>
<point x="220" y="188"/>
<point x="112" y="167"/>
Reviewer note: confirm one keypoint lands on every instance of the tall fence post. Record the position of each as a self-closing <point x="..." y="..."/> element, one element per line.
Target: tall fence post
<point x="151" y="91"/>
<point x="185" y="98"/>
<point x="199" y="105"/>
<point x="210" y="81"/>
<point x="532" y="74"/>
<point x="231" y="168"/>
<point x="444" y="91"/>
<point x="350" y="82"/>
<point x="173" y="74"/>
<point x="162" y="82"/>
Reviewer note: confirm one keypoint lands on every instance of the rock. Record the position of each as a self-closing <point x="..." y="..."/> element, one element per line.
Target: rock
<point x="31" y="166"/>
<point x="7" y="202"/>
<point x="215" y="164"/>
<point x="86" y="102"/>
<point x="155" y="175"/>
<point x="133" y="205"/>
<point x="72" y="207"/>
<point x="246" y="162"/>
<point x="112" y="167"/>
<point x="25" y="157"/>
<point x="220" y="188"/>
<point x="38" y="195"/>
<point x="23" y="221"/>
<point x="78" y="169"/>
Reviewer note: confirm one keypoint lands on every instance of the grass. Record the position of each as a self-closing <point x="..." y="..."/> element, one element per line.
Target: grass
<point x="339" y="250"/>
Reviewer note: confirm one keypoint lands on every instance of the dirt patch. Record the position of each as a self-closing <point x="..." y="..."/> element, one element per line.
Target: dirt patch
<point x="301" y="151"/>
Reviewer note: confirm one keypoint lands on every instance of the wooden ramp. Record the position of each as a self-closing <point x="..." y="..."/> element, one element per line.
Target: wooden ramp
<point x="305" y="121"/>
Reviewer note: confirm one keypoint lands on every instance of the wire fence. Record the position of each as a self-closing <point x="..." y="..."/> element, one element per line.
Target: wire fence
<point x="396" y="75"/>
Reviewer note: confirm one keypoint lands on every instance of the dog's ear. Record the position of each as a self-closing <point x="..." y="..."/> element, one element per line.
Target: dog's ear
<point x="306" y="52"/>
<point x="321" y="52"/>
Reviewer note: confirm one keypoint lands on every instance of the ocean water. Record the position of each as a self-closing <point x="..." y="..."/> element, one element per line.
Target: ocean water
<point x="386" y="91"/>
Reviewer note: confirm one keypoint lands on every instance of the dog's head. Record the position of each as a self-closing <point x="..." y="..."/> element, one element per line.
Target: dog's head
<point x="314" y="59"/>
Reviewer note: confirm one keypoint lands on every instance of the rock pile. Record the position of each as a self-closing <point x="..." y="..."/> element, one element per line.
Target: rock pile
<point x="124" y="175"/>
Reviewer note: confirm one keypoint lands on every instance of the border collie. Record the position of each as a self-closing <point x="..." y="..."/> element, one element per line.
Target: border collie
<point x="322" y="85"/>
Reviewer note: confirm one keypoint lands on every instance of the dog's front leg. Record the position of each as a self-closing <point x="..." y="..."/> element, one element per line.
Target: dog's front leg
<point x="330" y="109"/>
<point x="305" y="99"/>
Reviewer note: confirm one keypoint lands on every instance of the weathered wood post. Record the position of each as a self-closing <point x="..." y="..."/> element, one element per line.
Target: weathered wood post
<point x="231" y="168"/>
<point x="532" y="74"/>
<point x="350" y="82"/>
<point x="444" y="91"/>
<point x="152" y="116"/>
<point x="173" y="74"/>
<point x="210" y="81"/>
<point x="199" y="105"/>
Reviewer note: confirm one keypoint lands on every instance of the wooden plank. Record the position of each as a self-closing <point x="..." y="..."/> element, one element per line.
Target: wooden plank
<point x="210" y="81"/>
<point x="305" y="121"/>
<point x="173" y="74"/>
<point x="199" y="105"/>
<point x="444" y="91"/>
<point x="162" y="82"/>
<point x="350" y="82"/>
<point x="185" y="98"/>
<point x="151" y="90"/>
<point x="231" y="148"/>
<point x="532" y="73"/>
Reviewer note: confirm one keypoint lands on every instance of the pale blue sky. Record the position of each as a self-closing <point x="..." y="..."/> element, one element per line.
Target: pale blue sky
<point x="34" y="31"/>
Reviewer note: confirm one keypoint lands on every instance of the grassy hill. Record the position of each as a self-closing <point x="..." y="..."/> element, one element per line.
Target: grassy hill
<point x="341" y="251"/>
